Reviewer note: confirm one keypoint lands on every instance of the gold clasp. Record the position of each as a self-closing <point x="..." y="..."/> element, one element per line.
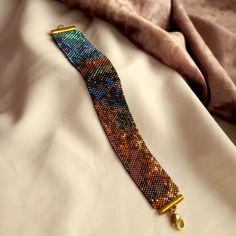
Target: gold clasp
<point x="176" y="219"/>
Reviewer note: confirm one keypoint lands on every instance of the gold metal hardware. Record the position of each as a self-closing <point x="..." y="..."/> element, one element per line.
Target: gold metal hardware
<point x="174" y="202"/>
<point x="62" y="29"/>
<point x="176" y="220"/>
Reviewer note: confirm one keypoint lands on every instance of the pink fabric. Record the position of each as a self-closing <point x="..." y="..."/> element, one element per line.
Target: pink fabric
<point x="197" y="38"/>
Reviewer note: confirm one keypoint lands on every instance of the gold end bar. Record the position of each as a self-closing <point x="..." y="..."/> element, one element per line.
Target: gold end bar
<point x="168" y="206"/>
<point x="62" y="29"/>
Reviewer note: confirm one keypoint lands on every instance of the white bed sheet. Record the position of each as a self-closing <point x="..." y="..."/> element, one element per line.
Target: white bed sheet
<point x="58" y="174"/>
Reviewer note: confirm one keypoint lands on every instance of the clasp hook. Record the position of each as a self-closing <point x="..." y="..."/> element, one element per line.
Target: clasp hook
<point x="176" y="219"/>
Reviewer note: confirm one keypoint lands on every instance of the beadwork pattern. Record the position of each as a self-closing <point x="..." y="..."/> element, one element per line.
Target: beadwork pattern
<point x="106" y="92"/>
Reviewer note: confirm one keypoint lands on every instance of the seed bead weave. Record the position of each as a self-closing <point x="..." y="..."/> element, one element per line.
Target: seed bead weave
<point x="104" y="87"/>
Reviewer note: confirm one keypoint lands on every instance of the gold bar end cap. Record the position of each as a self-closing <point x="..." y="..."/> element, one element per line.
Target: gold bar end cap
<point x="172" y="203"/>
<point x="62" y="29"/>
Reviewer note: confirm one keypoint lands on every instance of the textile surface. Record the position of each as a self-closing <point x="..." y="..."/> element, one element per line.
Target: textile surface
<point x="201" y="46"/>
<point x="58" y="173"/>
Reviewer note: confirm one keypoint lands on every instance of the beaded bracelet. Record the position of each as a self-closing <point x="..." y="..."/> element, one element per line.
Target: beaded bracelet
<point x="104" y="87"/>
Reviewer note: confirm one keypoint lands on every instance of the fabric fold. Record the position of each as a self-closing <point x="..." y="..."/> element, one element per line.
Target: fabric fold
<point x="164" y="30"/>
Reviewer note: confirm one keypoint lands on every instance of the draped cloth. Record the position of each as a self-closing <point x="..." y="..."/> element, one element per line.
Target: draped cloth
<point x="197" y="38"/>
<point x="59" y="175"/>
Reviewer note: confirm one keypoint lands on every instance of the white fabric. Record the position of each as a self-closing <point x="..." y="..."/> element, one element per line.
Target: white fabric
<point x="58" y="174"/>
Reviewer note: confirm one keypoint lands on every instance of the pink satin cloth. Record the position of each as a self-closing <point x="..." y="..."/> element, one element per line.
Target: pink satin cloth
<point x="197" y="38"/>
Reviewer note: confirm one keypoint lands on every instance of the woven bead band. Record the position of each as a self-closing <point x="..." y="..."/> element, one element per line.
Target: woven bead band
<point x="104" y="87"/>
